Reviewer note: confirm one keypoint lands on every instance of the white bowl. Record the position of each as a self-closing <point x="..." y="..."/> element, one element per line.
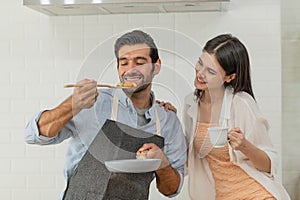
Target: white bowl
<point x="133" y="165"/>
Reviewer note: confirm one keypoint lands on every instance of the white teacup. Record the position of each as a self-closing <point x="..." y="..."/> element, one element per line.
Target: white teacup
<point x="218" y="136"/>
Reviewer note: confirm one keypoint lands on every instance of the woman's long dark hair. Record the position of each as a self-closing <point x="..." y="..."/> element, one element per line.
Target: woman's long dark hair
<point x="233" y="57"/>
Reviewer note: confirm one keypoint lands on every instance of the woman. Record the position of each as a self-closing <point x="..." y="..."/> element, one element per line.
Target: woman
<point x="245" y="168"/>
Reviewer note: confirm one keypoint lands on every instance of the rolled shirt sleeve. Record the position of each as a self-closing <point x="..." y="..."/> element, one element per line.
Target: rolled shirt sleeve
<point x="33" y="136"/>
<point x="175" y="146"/>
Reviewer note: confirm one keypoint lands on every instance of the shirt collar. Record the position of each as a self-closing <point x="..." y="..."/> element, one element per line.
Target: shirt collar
<point x="126" y="101"/>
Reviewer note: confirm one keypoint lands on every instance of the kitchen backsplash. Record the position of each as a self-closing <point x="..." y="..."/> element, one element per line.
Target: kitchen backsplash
<point x="39" y="54"/>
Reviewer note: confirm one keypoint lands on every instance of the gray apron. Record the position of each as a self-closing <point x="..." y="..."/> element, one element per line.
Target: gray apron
<point x="92" y="181"/>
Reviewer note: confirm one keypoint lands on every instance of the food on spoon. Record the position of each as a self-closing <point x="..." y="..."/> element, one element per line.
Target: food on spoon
<point x="126" y="85"/>
<point x="142" y="155"/>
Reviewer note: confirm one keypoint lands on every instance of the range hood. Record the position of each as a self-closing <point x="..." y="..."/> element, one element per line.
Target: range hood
<point x="93" y="7"/>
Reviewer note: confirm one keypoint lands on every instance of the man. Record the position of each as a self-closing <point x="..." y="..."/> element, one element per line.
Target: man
<point x="83" y="117"/>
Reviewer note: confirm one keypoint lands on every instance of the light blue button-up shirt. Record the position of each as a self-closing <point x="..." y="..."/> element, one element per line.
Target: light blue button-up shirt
<point x="82" y="129"/>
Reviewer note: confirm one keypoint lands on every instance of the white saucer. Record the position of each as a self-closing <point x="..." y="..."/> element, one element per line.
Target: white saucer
<point x="133" y="165"/>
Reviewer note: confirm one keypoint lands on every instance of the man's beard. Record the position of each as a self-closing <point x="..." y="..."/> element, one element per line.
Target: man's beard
<point x="143" y="86"/>
<point x="137" y="90"/>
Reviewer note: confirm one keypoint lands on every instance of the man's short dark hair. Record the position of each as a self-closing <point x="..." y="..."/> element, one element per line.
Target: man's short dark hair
<point x="137" y="37"/>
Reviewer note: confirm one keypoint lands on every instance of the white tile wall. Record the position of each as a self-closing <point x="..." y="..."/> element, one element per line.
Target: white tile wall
<point x="290" y="96"/>
<point x="39" y="54"/>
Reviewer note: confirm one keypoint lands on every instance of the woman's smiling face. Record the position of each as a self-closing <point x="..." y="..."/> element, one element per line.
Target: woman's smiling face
<point x="209" y="73"/>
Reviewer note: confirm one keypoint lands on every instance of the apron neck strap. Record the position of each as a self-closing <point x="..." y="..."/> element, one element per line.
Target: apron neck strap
<point x="157" y="122"/>
<point x="114" y="112"/>
<point x="115" y="106"/>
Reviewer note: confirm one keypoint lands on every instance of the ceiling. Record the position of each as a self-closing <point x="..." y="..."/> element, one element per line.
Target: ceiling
<point x="92" y="7"/>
